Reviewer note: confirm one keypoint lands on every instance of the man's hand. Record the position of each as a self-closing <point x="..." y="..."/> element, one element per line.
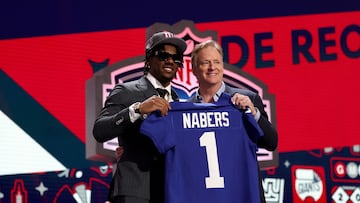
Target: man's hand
<point x="243" y="102"/>
<point x="154" y="103"/>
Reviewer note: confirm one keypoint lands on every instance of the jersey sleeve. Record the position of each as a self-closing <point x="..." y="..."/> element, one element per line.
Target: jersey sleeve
<point x="158" y="129"/>
<point x="252" y="127"/>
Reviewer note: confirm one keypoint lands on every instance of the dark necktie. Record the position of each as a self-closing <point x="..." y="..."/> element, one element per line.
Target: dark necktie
<point x="162" y="92"/>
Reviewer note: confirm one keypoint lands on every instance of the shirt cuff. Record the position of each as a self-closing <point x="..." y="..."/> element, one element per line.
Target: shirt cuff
<point x="257" y="115"/>
<point x="133" y="116"/>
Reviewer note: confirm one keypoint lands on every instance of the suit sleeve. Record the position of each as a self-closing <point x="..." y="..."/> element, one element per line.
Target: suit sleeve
<point x="158" y="129"/>
<point x="270" y="139"/>
<point x="114" y="119"/>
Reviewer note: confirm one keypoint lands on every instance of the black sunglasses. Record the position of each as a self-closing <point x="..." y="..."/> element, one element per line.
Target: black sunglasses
<point x="164" y="56"/>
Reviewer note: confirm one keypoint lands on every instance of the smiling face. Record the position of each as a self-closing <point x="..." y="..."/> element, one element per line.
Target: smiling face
<point x="208" y="67"/>
<point x="164" y="70"/>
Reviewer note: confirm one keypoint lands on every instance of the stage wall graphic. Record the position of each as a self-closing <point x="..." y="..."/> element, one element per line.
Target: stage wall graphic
<point x="305" y="68"/>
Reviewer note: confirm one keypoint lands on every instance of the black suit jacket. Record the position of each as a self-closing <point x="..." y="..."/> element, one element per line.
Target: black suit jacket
<point x="270" y="139"/>
<point x="140" y="164"/>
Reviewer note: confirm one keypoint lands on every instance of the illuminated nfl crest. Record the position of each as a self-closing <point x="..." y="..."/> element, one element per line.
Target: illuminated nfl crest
<point x="185" y="84"/>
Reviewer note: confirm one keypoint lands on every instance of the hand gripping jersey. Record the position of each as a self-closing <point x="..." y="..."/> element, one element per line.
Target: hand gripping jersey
<point x="210" y="152"/>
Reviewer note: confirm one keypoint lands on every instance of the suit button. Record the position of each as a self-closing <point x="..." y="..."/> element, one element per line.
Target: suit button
<point x="118" y="122"/>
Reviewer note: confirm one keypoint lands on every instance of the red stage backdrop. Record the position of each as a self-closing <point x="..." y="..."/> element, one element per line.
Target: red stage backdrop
<point x="310" y="63"/>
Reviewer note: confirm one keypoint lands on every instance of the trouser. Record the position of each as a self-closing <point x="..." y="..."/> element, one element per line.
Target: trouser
<point x="129" y="199"/>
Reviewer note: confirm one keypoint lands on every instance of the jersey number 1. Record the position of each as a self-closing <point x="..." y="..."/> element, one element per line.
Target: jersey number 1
<point x="214" y="180"/>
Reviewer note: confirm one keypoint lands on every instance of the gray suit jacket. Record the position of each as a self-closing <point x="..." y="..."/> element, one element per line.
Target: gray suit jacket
<point x="140" y="164"/>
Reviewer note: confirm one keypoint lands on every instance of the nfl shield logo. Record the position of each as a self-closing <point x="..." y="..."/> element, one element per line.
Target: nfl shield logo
<point x="185" y="84"/>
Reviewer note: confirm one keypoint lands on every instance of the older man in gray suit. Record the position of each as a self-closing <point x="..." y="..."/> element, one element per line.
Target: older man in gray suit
<point x="208" y="68"/>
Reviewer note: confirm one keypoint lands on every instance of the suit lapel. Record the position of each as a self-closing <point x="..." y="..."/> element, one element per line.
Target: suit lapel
<point x="174" y="95"/>
<point x="146" y="87"/>
<point x="149" y="90"/>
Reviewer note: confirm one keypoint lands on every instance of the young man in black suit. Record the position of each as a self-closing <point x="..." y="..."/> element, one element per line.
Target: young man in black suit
<point x="140" y="169"/>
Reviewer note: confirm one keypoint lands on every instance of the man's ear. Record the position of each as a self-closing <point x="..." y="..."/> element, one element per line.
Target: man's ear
<point x="147" y="64"/>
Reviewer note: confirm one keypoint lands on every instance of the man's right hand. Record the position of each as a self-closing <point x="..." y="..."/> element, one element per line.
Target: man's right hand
<point x="154" y="103"/>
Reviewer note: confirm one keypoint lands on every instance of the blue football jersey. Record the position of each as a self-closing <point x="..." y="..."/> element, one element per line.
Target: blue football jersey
<point x="210" y="152"/>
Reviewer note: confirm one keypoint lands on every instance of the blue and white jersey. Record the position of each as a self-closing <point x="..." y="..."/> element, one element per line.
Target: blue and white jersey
<point x="210" y="152"/>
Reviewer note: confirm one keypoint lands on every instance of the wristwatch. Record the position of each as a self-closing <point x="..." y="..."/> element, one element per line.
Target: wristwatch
<point x="137" y="107"/>
<point x="137" y="110"/>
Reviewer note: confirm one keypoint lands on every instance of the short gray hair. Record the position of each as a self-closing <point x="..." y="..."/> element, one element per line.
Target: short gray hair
<point x="201" y="46"/>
